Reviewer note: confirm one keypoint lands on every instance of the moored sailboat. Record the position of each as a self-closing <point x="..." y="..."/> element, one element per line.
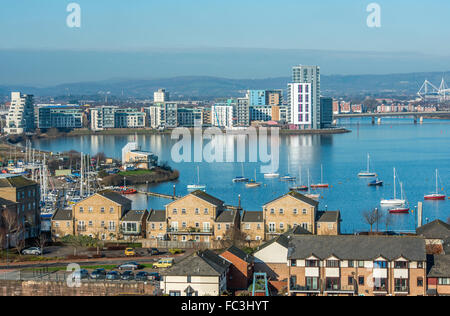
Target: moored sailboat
<point x="394" y="201"/>
<point x="367" y="173"/>
<point x="435" y="196"/>
<point x="320" y="185"/>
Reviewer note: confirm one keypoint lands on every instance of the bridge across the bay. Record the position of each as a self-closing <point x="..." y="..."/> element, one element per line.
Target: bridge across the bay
<point x="415" y="115"/>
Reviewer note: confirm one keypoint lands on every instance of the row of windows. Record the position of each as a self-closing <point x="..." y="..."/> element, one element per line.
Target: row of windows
<point x="102" y="210"/>
<point x="273" y="226"/>
<point x="359" y="264"/>
<point x="294" y="211"/>
<point x="184" y="212"/>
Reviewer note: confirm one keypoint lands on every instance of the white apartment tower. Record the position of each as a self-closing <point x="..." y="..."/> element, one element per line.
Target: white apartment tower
<point x="160" y="96"/>
<point x="304" y="97"/>
<point x="20" y="117"/>
<point x="222" y="116"/>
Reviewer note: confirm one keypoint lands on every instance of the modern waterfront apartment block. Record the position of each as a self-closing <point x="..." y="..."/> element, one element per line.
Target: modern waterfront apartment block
<point x="59" y="116"/>
<point x="304" y="97"/>
<point x="20" y="118"/>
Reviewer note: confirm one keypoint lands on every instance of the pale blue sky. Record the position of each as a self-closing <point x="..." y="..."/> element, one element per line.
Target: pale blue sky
<point x="193" y="27"/>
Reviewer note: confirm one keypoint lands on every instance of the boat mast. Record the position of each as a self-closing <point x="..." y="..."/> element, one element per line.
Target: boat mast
<point x="321" y="174"/>
<point x="395" y="188"/>
<point x="437" y="190"/>
<point x="368" y="163"/>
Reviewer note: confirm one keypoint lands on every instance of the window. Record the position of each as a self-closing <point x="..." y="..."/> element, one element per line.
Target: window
<point x="227" y="226"/>
<point x="444" y="281"/>
<point x="312" y="283"/>
<point x="258" y="226"/>
<point x="197" y="211"/>
<point x="401" y="265"/>
<point x="153" y="226"/>
<point x="56" y="224"/>
<point x="111" y="210"/>
<point x="247" y="226"/>
<point x="189" y="279"/>
<point x="361" y="280"/>
<point x="81" y="209"/>
<point x="67" y="224"/>
<point x="183" y="224"/>
<point x="360" y="264"/>
<point x="351" y="263"/>
<point x="380" y="265"/>
<point x="174" y="293"/>
<point x="281" y="225"/>
<point x="272" y="227"/>
<point x="305" y="211"/>
<point x="90" y="224"/>
<point x="281" y="211"/>
<point x="206" y="211"/>
<point x="420" y="265"/>
<point x="91" y="209"/>
<point x="218" y="226"/>
<point x="312" y="263"/>
<point x="102" y="210"/>
<point x="295" y="211"/>
<point x="197" y="225"/>
<point x="332" y="264"/>
<point x="112" y="226"/>
<point x="183" y="211"/>
<point x="419" y="282"/>
<point x="330" y="226"/>
<point x="174" y="211"/>
<point x="161" y="226"/>
<point x="350" y="280"/>
<point x="102" y="224"/>
<point x="272" y="211"/>
<point x="293" y="263"/>
<point x="401" y="285"/>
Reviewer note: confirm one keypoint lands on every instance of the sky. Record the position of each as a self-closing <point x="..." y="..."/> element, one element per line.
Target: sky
<point x="196" y="27"/>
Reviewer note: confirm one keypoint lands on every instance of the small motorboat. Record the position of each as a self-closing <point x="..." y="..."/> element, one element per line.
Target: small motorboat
<point x="288" y="178"/>
<point x="271" y="175"/>
<point x="375" y="183"/>
<point x="195" y="187"/>
<point x="252" y="184"/>
<point x="299" y="188"/>
<point x="313" y="196"/>
<point x="240" y="180"/>
<point x="399" y="210"/>
<point x="128" y="191"/>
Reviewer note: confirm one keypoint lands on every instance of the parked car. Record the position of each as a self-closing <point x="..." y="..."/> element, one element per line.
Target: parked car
<point x="35" y="251"/>
<point x="112" y="276"/>
<point x="164" y="263"/>
<point x="130" y="266"/>
<point x="98" y="274"/>
<point x="154" y="276"/>
<point x="154" y="252"/>
<point x="142" y="276"/>
<point x="84" y="274"/>
<point x="129" y="252"/>
<point x="127" y="276"/>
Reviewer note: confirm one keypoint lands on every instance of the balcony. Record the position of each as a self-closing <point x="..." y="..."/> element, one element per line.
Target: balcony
<point x="304" y="289"/>
<point x="81" y="229"/>
<point x="339" y="289"/>
<point x="401" y="289"/>
<point x="190" y="231"/>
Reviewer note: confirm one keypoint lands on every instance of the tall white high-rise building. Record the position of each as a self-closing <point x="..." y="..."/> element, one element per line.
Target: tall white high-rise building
<point x="222" y="115"/>
<point x="161" y="96"/>
<point x="304" y="97"/>
<point x="20" y="117"/>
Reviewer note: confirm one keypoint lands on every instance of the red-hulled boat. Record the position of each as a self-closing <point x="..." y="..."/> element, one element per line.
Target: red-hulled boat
<point x="435" y="196"/>
<point x="320" y="186"/>
<point x="128" y="191"/>
<point x="399" y="210"/>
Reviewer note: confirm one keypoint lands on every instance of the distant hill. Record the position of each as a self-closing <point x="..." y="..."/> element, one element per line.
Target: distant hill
<point x="209" y="87"/>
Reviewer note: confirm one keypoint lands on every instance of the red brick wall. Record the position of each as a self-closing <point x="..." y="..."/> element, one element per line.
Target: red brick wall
<point x="240" y="272"/>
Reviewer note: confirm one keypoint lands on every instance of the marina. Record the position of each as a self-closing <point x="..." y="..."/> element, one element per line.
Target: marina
<point x="415" y="150"/>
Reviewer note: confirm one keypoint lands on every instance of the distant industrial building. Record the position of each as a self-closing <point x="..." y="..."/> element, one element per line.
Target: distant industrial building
<point x="20" y="117"/>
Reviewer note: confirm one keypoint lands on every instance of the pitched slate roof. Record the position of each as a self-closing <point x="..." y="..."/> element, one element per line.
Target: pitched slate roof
<point x="297" y="230"/>
<point x="440" y="267"/>
<point x="134" y="216"/>
<point x="252" y="217"/>
<point x="434" y="230"/>
<point x="349" y="247"/>
<point x="62" y="215"/>
<point x="282" y="240"/>
<point x="297" y="196"/>
<point x="328" y="216"/>
<point x="157" y="216"/>
<point x="14" y="181"/>
<point x="115" y="197"/>
<point x="240" y="254"/>
<point x="226" y="217"/>
<point x="208" y="198"/>
<point x="204" y="263"/>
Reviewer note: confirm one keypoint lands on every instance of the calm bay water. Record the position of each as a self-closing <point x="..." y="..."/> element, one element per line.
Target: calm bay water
<point x="415" y="150"/>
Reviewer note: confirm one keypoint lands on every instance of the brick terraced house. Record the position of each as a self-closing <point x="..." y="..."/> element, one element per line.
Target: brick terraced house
<point x="357" y="265"/>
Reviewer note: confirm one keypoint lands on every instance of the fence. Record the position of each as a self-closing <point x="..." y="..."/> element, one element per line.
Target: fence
<point x="168" y="244"/>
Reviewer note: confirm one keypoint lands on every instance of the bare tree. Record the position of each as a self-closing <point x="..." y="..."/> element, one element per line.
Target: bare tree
<point x="234" y="237"/>
<point x="41" y="242"/>
<point x="10" y="221"/>
<point x="388" y="220"/>
<point x="372" y="217"/>
<point x="20" y="238"/>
